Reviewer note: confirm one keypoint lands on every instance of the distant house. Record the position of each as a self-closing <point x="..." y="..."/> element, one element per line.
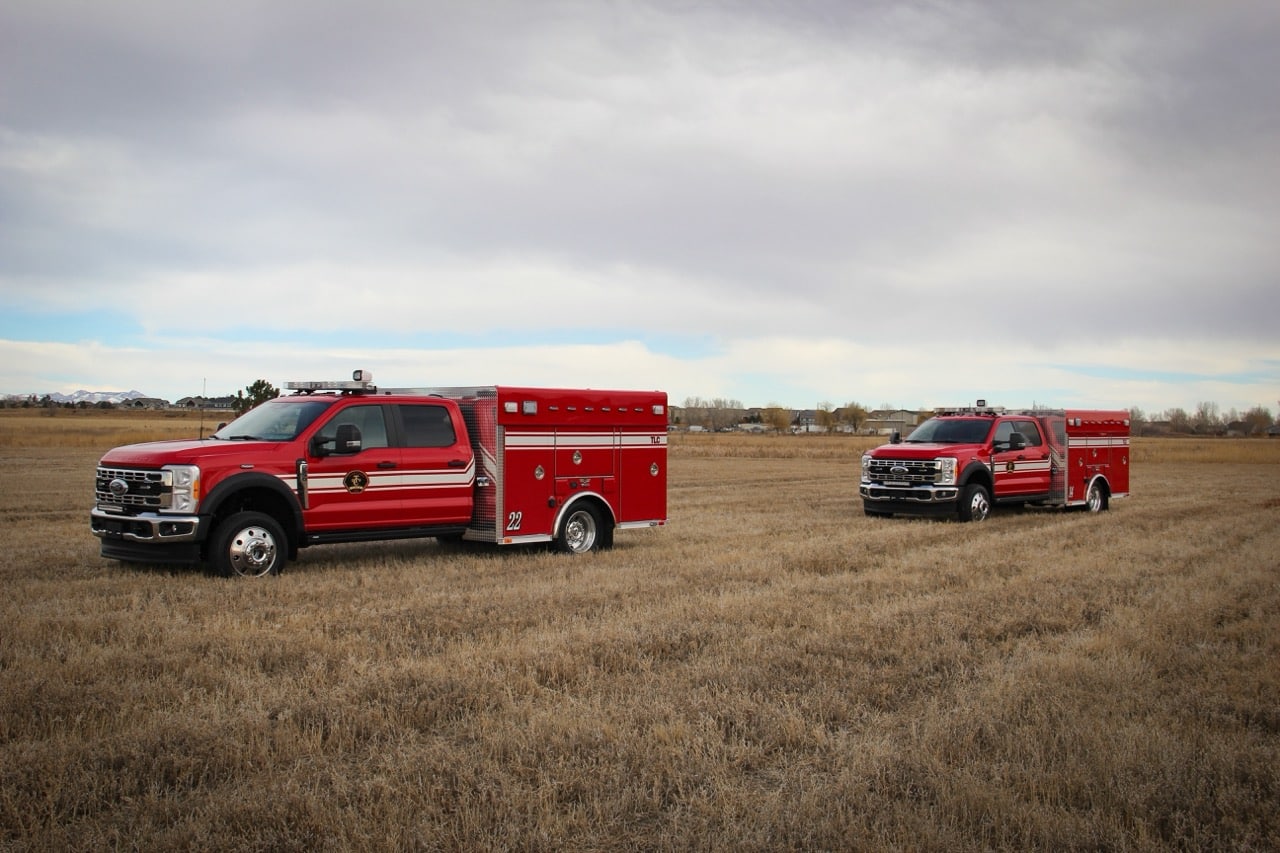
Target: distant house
<point x="844" y="419"/>
<point x="145" y="403"/>
<point x="806" y="420"/>
<point x="218" y="403"/>
<point x="886" y="421"/>
<point x="763" y="417"/>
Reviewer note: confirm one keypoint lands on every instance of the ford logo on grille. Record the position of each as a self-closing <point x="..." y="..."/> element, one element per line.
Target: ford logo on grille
<point x="898" y="469"/>
<point x="118" y="487"/>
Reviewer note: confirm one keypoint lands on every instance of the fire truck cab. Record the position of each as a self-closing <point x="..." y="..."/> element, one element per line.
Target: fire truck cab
<point x="343" y="461"/>
<point x="961" y="462"/>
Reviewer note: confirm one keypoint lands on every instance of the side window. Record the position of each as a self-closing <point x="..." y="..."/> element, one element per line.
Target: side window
<point x="427" y="426"/>
<point x="1031" y="432"/>
<point x="368" y="419"/>
<point x="1003" y="431"/>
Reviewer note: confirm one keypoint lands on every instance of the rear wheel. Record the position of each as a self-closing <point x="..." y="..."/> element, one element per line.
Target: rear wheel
<point x="581" y="530"/>
<point x="975" y="503"/>
<point x="1096" y="500"/>
<point x="248" y="545"/>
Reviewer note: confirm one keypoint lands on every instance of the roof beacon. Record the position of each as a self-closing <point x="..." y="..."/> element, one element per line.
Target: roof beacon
<point x="361" y="380"/>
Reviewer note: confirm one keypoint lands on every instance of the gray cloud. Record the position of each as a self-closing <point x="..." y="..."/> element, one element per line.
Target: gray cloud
<point x="1004" y="168"/>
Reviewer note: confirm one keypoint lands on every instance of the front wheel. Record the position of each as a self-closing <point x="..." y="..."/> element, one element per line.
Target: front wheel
<point x="975" y="503"/>
<point x="248" y="545"/>
<point x="581" y="531"/>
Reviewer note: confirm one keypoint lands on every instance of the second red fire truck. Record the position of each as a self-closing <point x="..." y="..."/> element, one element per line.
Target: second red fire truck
<point x="343" y="461"/>
<point x="961" y="462"/>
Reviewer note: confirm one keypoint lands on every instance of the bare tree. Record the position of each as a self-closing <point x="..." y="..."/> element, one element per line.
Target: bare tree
<point x="854" y="414"/>
<point x="776" y="417"/>
<point x="1179" y="420"/>
<point x="1206" y="418"/>
<point x="1258" y="418"/>
<point x="1137" y="420"/>
<point x="722" y="413"/>
<point x="826" y="416"/>
<point x="695" y="411"/>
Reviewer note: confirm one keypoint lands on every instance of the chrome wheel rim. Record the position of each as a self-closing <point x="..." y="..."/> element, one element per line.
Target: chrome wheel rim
<point x="252" y="552"/>
<point x="580" y="532"/>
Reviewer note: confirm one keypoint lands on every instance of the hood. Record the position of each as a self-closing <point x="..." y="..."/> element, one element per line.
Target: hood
<point x="926" y="450"/>
<point x="181" y="451"/>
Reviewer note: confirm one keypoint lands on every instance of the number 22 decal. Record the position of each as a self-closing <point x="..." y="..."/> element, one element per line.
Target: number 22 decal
<point x="514" y="519"/>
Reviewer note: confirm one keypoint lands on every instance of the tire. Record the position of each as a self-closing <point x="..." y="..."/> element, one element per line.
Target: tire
<point x="975" y="503"/>
<point x="581" y="531"/>
<point x="1096" y="499"/>
<point x="248" y="545"/>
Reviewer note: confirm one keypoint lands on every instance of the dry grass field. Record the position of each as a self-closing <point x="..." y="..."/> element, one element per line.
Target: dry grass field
<point x="771" y="671"/>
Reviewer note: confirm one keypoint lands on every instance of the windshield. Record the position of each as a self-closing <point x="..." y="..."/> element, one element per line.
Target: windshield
<point x="951" y="431"/>
<point x="274" y="420"/>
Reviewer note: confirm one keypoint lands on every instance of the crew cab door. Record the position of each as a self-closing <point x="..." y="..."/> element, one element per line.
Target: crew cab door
<point x="352" y="470"/>
<point x="437" y="467"/>
<point x="1020" y="459"/>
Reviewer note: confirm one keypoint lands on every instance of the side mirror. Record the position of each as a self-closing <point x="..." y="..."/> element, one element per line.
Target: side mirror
<point x="1017" y="441"/>
<point x="348" y="439"/>
<point x="895" y="437"/>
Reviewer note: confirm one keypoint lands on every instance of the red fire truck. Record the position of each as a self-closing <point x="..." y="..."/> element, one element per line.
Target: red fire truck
<point x="342" y="461"/>
<point x="963" y="461"/>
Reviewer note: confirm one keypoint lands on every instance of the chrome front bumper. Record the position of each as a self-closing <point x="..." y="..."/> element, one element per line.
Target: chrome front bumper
<point x="919" y="494"/>
<point x="148" y="527"/>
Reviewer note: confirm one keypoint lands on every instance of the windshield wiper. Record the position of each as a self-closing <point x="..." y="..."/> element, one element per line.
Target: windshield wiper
<point x="245" y="438"/>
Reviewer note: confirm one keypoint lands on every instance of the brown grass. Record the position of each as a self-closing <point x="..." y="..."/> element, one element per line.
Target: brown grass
<point x="102" y="429"/>
<point x="771" y="671"/>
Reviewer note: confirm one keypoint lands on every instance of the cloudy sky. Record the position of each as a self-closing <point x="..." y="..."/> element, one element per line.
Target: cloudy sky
<point x="794" y="202"/>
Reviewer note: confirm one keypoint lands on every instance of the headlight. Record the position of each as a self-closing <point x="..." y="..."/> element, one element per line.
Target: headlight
<point x="185" y="494"/>
<point x="866" y="467"/>
<point x="946" y="470"/>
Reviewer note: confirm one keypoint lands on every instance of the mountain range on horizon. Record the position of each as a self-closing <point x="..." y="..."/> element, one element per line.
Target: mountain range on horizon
<point x="83" y="396"/>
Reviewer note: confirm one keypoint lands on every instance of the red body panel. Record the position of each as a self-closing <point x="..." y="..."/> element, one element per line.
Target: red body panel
<point x="544" y="448"/>
<point x="1097" y="445"/>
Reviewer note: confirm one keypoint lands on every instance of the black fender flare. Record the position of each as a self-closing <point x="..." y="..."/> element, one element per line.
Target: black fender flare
<point x="254" y="480"/>
<point x="976" y="471"/>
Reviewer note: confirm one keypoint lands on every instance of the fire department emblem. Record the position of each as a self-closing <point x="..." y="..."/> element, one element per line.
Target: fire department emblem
<point x="356" y="482"/>
<point x="1010" y="466"/>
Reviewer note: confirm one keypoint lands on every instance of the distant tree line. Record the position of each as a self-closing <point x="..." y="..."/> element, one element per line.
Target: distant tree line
<point x="718" y="414"/>
<point x="1207" y="419"/>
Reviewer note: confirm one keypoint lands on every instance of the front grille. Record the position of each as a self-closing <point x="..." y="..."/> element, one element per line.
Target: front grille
<point x="913" y="471"/>
<point x="146" y="489"/>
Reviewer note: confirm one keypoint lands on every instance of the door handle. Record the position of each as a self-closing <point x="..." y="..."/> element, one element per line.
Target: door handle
<point x="387" y="464"/>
